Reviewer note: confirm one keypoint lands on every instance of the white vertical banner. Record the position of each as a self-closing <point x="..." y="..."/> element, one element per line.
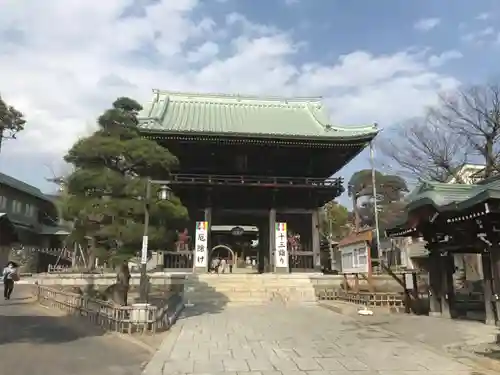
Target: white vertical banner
<point x="201" y="244"/>
<point x="281" y="253"/>
<point x="144" y="250"/>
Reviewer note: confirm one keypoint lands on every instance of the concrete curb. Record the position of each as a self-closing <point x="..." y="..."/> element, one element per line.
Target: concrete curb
<point x="156" y="364"/>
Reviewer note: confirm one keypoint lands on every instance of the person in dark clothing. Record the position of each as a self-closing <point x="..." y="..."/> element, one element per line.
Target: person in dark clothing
<point x="9" y="276"/>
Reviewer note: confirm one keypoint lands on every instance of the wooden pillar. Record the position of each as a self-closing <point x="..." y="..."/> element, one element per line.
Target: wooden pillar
<point x="447" y="290"/>
<point x="316" y="246"/>
<point x="488" y="288"/>
<point x="495" y="273"/>
<point x="434" y="284"/>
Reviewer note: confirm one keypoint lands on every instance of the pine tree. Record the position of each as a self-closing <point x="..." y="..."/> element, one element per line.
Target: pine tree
<point x="105" y="195"/>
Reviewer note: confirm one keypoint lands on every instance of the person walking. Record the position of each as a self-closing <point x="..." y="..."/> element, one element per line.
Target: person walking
<point x="9" y="276"/>
<point x="223" y="264"/>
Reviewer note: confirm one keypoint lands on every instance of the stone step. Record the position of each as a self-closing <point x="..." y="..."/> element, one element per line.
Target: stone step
<point x="265" y="297"/>
<point x="250" y="283"/>
<point x="243" y="289"/>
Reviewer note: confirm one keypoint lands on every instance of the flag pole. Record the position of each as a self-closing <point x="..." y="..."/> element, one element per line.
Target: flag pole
<point x="375" y="203"/>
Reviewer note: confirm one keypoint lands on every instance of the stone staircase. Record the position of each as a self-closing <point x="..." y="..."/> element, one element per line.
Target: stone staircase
<point x="249" y="289"/>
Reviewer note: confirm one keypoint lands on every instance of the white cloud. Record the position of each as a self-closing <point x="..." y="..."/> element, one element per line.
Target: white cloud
<point x="62" y="65"/>
<point x="443" y="58"/>
<point x="479" y="36"/>
<point x="426" y="24"/>
<point x="483" y="16"/>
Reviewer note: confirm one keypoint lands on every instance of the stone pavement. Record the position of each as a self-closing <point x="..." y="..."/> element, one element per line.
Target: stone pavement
<point x="299" y="340"/>
<point x="34" y="341"/>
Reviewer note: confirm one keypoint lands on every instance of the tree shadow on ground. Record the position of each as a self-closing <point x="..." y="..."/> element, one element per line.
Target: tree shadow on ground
<point x="201" y="298"/>
<point x="23" y="321"/>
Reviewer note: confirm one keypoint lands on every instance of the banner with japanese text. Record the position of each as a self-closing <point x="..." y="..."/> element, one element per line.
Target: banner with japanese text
<point x="201" y="244"/>
<point x="281" y="253"/>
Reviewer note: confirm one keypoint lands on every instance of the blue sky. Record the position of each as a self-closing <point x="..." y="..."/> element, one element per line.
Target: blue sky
<point x="373" y="61"/>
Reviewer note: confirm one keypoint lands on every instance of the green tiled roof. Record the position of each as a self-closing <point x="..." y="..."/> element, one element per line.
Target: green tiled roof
<point x="445" y="196"/>
<point x="237" y="115"/>
<point x="22" y="186"/>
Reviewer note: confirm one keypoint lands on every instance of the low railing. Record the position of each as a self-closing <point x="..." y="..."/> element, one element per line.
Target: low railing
<point x="302" y="261"/>
<point x="59" y="269"/>
<point x="271" y="181"/>
<point x="369" y="299"/>
<point x="138" y="318"/>
<point x="178" y="260"/>
<point x="62" y="253"/>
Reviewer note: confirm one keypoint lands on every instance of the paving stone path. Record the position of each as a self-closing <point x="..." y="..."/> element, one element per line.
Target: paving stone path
<point x="36" y="341"/>
<point x="279" y="340"/>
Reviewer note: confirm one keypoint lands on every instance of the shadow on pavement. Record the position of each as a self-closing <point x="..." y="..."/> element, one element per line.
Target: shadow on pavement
<point x="201" y="298"/>
<point x="37" y="329"/>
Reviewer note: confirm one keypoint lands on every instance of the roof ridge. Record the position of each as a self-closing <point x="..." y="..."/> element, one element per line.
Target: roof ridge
<point x="207" y="95"/>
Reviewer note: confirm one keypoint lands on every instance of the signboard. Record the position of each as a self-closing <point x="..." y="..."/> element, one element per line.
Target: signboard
<point x="409" y="281"/>
<point x="201" y="244"/>
<point x="144" y="250"/>
<point x="281" y="253"/>
<point x="237" y="231"/>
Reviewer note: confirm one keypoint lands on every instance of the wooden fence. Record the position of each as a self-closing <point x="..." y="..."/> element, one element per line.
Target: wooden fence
<point x="368" y="299"/>
<point x="144" y="319"/>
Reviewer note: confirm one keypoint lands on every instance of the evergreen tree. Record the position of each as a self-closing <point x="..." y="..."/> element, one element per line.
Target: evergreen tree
<point x="105" y="193"/>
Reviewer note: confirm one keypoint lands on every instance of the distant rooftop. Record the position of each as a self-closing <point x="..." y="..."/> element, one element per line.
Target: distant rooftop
<point x="22" y="186"/>
<point x="243" y="115"/>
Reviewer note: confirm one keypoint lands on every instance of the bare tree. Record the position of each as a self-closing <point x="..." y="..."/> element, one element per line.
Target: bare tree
<point x="463" y="128"/>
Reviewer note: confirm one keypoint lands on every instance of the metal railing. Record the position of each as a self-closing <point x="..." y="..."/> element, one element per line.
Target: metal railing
<point x="139" y="318"/>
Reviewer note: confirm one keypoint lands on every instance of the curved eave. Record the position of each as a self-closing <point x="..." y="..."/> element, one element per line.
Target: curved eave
<point x="481" y="198"/>
<point x="400" y="227"/>
<point x="455" y="206"/>
<point x="361" y="137"/>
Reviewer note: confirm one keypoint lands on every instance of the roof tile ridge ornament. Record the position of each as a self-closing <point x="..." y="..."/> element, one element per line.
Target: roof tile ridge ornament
<point x="238" y="96"/>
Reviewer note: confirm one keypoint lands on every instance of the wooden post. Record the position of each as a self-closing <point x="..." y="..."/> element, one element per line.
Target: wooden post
<point x="488" y="288"/>
<point x="495" y="273"/>
<point x="444" y="287"/>
<point x="434" y="284"/>
<point x="448" y="296"/>
<point x="316" y="240"/>
<point x="346" y="283"/>
<point x="272" y="240"/>
<point x="356" y="282"/>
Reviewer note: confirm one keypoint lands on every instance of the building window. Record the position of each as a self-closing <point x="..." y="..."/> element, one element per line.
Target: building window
<point x="17" y="207"/>
<point x="362" y="257"/>
<point x="30" y="210"/>
<point x="357" y="258"/>
<point x="347" y="261"/>
<point x="3" y="202"/>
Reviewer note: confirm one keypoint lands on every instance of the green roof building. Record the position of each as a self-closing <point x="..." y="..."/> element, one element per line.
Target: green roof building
<point x="456" y="219"/>
<point x="252" y="154"/>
